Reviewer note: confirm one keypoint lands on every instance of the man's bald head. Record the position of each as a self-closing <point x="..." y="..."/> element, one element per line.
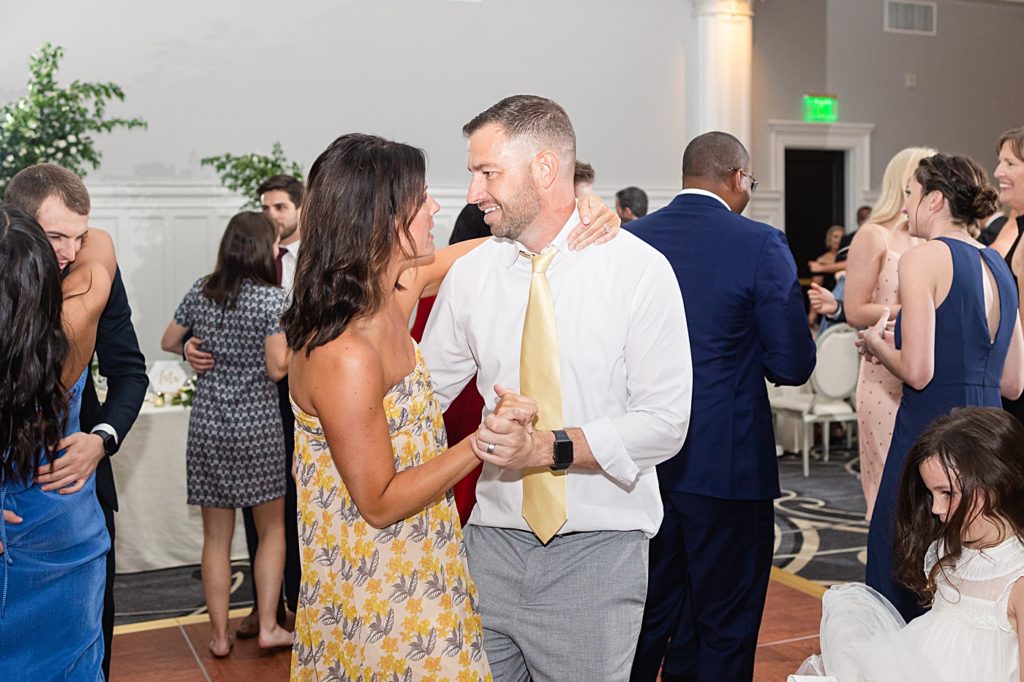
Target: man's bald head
<point x="711" y="156"/>
<point x="719" y="163"/>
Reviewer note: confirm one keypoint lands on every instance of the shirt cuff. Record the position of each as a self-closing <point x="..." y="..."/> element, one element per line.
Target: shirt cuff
<point x="609" y="452"/>
<point x="106" y="428"/>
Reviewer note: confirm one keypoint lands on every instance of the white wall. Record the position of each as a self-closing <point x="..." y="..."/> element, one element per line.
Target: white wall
<point x="969" y="86"/>
<point x="235" y="76"/>
<point x="969" y="89"/>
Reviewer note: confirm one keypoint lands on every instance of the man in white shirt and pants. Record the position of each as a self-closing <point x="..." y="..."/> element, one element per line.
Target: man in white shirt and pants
<point x="564" y="603"/>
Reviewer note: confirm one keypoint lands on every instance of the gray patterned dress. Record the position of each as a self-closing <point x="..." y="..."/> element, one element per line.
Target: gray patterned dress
<point x="235" y="454"/>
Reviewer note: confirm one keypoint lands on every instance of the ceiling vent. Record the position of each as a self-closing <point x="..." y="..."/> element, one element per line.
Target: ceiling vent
<point x="917" y="18"/>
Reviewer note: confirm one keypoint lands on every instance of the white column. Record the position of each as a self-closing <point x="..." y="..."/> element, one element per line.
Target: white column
<point x="722" y="67"/>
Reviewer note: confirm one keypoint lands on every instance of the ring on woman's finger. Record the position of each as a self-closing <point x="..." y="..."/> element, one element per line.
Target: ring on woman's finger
<point x="490" y="448"/>
<point x="607" y="229"/>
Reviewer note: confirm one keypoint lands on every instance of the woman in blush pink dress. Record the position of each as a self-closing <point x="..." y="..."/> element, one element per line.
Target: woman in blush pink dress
<point x="872" y="284"/>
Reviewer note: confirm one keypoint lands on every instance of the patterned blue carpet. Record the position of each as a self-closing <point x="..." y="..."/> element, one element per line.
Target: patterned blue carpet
<point x="820" y="534"/>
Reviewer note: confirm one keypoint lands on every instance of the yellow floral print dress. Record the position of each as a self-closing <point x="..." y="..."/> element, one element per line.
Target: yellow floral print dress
<point x="390" y="605"/>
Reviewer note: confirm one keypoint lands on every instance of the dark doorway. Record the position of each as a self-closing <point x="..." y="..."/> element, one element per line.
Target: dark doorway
<point x="815" y="200"/>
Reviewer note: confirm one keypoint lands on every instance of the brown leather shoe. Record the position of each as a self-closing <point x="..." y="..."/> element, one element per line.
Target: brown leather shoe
<point x="249" y="627"/>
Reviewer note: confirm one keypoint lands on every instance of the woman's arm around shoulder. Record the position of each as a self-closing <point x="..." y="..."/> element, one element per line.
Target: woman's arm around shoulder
<point x="86" y="290"/>
<point x="345" y="385"/>
<point x="98" y="248"/>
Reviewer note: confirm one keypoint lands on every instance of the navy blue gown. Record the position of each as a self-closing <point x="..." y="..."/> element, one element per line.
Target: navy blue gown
<point x="52" y="575"/>
<point x="968" y="370"/>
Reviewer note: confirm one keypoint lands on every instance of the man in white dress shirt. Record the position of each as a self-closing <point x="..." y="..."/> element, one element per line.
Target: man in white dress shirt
<point x="569" y="608"/>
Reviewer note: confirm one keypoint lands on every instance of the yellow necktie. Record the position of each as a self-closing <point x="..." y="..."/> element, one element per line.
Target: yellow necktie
<point x="540" y="378"/>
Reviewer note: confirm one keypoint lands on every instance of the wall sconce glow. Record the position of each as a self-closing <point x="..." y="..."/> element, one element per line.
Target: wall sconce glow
<point x="821" y="108"/>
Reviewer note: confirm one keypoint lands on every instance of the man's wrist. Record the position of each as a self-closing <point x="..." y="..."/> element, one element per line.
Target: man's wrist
<point x="543" y="448"/>
<point x="833" y="316"/>
<point x="107" y="434"/>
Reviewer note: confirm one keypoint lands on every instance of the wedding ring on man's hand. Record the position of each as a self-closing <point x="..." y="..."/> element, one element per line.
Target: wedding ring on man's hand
<point x="490" y="448"/>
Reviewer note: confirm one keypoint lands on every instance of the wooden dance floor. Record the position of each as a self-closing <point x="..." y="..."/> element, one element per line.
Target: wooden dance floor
<point x="175" y="649"/>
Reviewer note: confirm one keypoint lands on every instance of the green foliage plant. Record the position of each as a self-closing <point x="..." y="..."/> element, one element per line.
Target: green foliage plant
<point x="56" y="124"/>
<point x="244" y="173"/>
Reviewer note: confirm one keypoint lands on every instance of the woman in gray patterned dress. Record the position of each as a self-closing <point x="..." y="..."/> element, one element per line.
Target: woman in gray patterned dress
<point x="235" y="454"/>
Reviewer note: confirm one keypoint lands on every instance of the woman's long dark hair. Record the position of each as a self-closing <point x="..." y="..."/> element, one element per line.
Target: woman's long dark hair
<point x="246" y="252"/>
<point x="33" y="347"/>
<point x="362" y="194"/>
<point x="980" y="448"/>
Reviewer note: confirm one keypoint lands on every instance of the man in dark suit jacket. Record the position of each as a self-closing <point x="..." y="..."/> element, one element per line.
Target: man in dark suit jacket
<point x="711" y="559"/>
<point x="58" y="200"/>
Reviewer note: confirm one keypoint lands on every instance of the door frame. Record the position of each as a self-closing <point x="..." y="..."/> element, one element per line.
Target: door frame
<point x="852" y="138"/>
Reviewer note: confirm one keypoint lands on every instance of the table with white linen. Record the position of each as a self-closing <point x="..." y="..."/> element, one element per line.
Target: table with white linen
<point x="155" y="527"/>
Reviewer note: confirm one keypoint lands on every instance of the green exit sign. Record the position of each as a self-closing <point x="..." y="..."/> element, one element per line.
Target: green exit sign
<point x="821" y="109"/>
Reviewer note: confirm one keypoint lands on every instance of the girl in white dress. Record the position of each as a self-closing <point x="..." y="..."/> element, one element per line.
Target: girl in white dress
<point x="961" y="517"/>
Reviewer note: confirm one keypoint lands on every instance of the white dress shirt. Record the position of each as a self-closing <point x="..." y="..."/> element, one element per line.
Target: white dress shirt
<point x="288" y="263"/>
<point x="704" y="193"/>
<point x="625" y="363"/>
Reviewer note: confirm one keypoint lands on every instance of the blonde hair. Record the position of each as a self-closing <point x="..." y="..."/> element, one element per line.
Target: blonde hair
<point x="897" y="174"/>
<point x="829" y="231"/>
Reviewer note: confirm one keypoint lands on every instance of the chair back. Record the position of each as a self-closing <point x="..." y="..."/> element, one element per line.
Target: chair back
<point x="838" y="363"/>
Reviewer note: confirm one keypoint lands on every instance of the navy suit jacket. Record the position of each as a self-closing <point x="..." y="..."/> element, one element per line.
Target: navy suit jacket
<point x="124" y="366"/>
<point x="746" y="322"/>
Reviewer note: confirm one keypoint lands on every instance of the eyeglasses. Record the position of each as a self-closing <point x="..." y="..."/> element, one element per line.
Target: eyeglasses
<point x="753" y="180"/>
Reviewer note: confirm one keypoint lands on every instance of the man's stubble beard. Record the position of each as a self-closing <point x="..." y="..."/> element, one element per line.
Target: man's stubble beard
<point x="518" y="214"/>
<point x="286" y="232"/>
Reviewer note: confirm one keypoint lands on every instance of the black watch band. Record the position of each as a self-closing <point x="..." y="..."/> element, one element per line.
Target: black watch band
<point x="109" y="442"/>
<point x="562" y="451"/>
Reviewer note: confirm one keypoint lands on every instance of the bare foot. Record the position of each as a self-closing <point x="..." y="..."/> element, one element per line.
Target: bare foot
<point x="221" y="647"/>
<point x="275" y="638"/>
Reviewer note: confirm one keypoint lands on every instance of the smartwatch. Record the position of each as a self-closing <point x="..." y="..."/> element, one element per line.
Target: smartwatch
<point x="562" y="451"/>
<point x="109" y="442"/>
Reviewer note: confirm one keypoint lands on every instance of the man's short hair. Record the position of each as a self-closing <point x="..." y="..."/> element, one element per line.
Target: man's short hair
<point x="31" y="186"/>
<point x="634" y="199"/>
<point x="712" y="155"/>
<point x="583" y="172"/>
<point x="285" y="183"/>
<point x="530" y="117"/>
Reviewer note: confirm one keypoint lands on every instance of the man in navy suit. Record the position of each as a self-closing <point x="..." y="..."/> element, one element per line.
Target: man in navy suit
<point x="711" y="559"/>
<point x="59" y="201"/>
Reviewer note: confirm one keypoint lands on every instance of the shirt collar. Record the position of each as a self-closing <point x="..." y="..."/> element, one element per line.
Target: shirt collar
<point x="292" y="248"/>
<point x="704" y="192"/>
<point x="560" y="241"/>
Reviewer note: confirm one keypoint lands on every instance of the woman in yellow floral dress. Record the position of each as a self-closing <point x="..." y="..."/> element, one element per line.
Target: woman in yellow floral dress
<point x="386" y="593"/>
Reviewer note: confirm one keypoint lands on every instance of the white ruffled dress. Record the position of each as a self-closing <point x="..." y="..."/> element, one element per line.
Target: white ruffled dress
<point x="965" y="636"/>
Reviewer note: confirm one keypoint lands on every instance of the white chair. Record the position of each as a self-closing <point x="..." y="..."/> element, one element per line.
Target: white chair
<point x="833" y="385"/>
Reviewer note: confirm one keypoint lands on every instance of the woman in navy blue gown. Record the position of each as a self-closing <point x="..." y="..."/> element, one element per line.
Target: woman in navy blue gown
<point x="52" y="565"/>
<point x="957" y="337"/>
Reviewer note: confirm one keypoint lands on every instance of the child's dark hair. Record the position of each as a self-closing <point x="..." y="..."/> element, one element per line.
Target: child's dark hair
<point x="982" y="450"/>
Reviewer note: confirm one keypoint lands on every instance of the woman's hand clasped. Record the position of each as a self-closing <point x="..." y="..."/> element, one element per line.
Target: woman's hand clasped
<point x="505" y="437"/>
<point x="871" y="340"/>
